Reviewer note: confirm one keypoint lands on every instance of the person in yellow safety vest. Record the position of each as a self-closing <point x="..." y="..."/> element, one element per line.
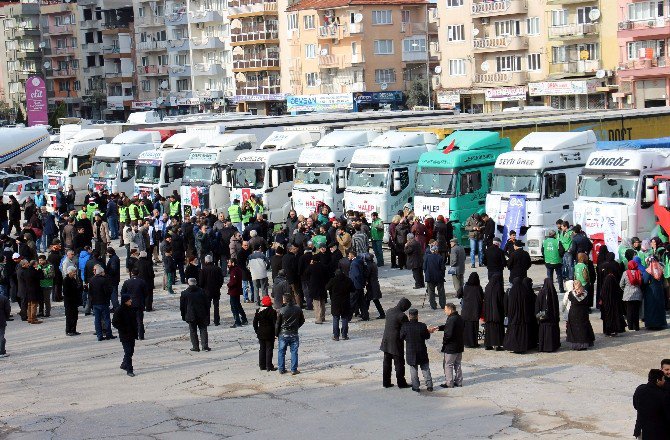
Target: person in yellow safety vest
<point x="235" y="214"/>
<point x="82" y="212"/>
<point x="175" y="208"/>
<point x="91" y="208"/>
<point x="123" y="219"/>
<point x="134" y="212"/>
<point x="247" y="211"/>
<point x="144" y="211"/>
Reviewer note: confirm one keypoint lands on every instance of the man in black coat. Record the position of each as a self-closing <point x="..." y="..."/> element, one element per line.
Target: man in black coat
<point x="415" y="333"/>
<point x="519" y="262"/>
<point x="194" y="307"/>
<point x="495" y="258"/>
<point x="452" y="347"/>
<point x="488" y="233"/>
<point x="340" y="288"/>
<point x="392" y="345"/>
<point x="100" y="292"/>
<point x="137" y="289"/>
<point x="580" y="243"/>
<point x="652" y="403"/>
<point x="125" y="323"/>
<point x="289" y="265"/>
<point x="211" y="280"/>
<point x="145" y="271"/>
<point x="280" y="287"/>
<point x="113" y="272"/>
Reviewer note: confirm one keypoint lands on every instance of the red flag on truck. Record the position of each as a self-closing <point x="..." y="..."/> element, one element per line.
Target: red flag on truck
<point x="450" y="147"/>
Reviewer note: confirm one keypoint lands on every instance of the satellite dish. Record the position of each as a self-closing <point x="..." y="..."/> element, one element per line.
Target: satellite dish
<point x="47" y="64"/>
<point x="594" y="14"/>
<point x="484" y="66"/>
<point x="383" y="86"/>
<point x="358" y="17"/>
<point x="236" y="24"/>
<point x="600" y="74"/>
<point x="324" y="52"/>
<point x="318" y="81"/>
<point x="475" y="32"/>
<point x="237" y="50"/>
<point x="159" y="101"/>
<point x="438" y="69"/>
<point x="24" y="24"/>
<point x="42" y="45"/>
<point x="68" y="1"/>
<point x="164" y="84"/>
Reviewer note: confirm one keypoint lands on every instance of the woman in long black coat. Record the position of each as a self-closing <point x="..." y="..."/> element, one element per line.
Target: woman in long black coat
<point x="611" y="296"/>
<point x="517" y="338"/>
<point x="472" y="296"/>
<point x="494" y="313"/>
<point x="579" y="331"/>
<point x="549" y="336"/>
<point x="529" y="300"/>
<point x="600" y="275"/>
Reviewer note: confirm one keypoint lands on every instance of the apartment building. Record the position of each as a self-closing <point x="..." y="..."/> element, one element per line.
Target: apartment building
<point x="370" y="48"/>
<point x="644" y="70"/>
<point x="22" y="56"/>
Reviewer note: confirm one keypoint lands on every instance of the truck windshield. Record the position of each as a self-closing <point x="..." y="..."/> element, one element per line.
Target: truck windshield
<point x="435" y="183"/>
<point x="367" y="178"/>
<point x="145" y="173"/>
<point x="516" y="183"/>
<point x="55" y="164"/>
<point x="104" y="168"/>
<point x="248" y="177"/>
<point x="198" y="173"/>
<point x="311" y="176"/>
<point x="607" y="186"/>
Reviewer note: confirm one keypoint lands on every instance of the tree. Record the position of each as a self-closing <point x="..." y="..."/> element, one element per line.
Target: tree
<point x="59" y="112"/>
<point x="417" y="93"/>
<point x="20" y="118"/>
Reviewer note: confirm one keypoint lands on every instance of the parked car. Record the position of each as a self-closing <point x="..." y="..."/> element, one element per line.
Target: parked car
<point x="22" y="190"/>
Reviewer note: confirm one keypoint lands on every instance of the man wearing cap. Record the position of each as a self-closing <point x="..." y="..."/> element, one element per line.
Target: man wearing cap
<point x="519" y="262"/>
<point x="553" y="260"/>
<point x="495" y="258"/>
<point x="457" y="264"/>
<point x="126" y="324"/>
<point x="194" y="307"/>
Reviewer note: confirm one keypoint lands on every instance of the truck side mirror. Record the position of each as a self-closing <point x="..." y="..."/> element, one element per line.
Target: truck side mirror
<point x="397" y="185"/>
<point x="75" y="164"/>
<point x="649" y="194"/>
<point x="663" y="188"/>
<point x="225" y="177"/>
<point x="341" y="179"/>
<point x="124" y="171"/>
<point x="274" y="178"/>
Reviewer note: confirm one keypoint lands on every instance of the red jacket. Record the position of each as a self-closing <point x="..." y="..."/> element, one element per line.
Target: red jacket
<point x="235" y="281"/>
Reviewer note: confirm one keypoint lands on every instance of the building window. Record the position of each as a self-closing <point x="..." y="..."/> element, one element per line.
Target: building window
<point x="457" y="67"/>
<point x="638" y="49"/>
<point x="559" y="17"/>
<point x="583" y="14"/>
<point x="456" y="32"/>
<point x="310" y="50"/>
<point x="381" y="17"/>
<point x="77" y="86"/>
<point x="534" y="62"/>
<point x="384" y="76"/>
<point x="146" y="85"/>
<point x="645" y="10"/>
<point x="308" y="22"/>
<point x="509" y="63"/>
<point x="507" y="28"/>
<point x="311" y="79"/>
<point x="454" y="3"/>
<point x="292" y="22"/>
<point x="144" y="61"/>
<point x="559" y="54"/>
<point x="414" y="45"/>
<point x="383" y="47"/>
<point x="533" y="26"/>
<point x="182" y="85"/>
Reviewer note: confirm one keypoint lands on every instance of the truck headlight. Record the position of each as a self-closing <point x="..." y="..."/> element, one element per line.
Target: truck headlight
<point x="533" y="243"/>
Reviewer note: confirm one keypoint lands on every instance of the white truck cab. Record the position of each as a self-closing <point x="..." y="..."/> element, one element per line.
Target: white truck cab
<point x="163" y="168"/>
<point x="69" y="161"/>
<point x="543" y="167"/>
<point x="381" y="176"/>
<point x="321" y="172"/>
<point x="269" y="171"/>
<point x="206" y="182"/>
<point x="114" y="163"/>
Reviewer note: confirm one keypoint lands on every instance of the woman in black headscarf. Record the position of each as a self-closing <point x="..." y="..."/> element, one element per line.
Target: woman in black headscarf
<point x="547" y="313"/>
<point x="600" y="275"/>
<point x="494" y="313"/>
<point x="578" y="326"/>
<point x="529" y="299"/>
<point x="517" y="336"/>
<point x="611" y="296"/>
<point x="472" y="296"/>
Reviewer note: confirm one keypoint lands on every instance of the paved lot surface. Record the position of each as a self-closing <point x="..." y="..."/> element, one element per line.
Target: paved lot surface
<point x="54" y="386"/>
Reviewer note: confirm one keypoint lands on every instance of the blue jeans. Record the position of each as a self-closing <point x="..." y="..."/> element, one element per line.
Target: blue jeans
<point x="113" y="223"/>
<point x="551" y="268"/>
<point x="4" y="226"/>
<point x="568" y="267"/>
<point x="476" y="244"/>
<point x="336" y="326"/>
<point x="379" y="254"/>
<point x="236" y="309"/>
<point x="247" y="290"/>
<point x="102" y="312"/>
<point x="115" y="296"/>
<point x="239" y="226"/>
<point x="41" y="244"/>
<point x="286" y="341"/>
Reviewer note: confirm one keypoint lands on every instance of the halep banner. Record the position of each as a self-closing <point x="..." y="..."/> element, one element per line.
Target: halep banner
<point x="516" y="216"/>
<point x="36" y="101"/>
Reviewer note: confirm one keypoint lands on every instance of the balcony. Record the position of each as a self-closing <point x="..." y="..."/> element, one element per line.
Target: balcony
<point x="262" y="87"/>
<point x="89" y="24"/>
<point x="573" y="31"/>
<point x="152" y="70"/>
<point x="94" y="71"/>
<point x="202" y="69"/>
<point x="251" y="7"/>
<point x="92" y="47"/>
<point x="499" y="7"/>
<point x="148" y="21"/>
<point x="152" y="46"/>
<point x="255" y="62"/>
<point x="63" y="73"/>
<point x="205" y="16"/>
<point x="574" y="68"/>
<point x="645" y="67"/>
<point x="22" y="54"/>
<point x="209" y="94"/>
<point x="659" y="27"/>
<point x="19" y="32"/>
<point x="415" y="56"/>
<point x="87" y="2"/>
<point x="569" y="2"/>
<point x="334" y="61"/>
<point x="20" y="75"/>
<point x="66" y="29"/>
<point x="176" y="19"/>
<point x="254" y="34"/>
<point x="333" y="32"/>
<point x="63" y="51"/>
<point x="113" y="28"/>
<point x="357" y="58"/>
<point x="501" y="79"/>
<point x="207" y="43"/>
<point x="180" y="71"/>
<point x="497" y="44"/>
<point x="411" y="28"/>
<point x="179" y="45"/>
<point x="357" y="87"/>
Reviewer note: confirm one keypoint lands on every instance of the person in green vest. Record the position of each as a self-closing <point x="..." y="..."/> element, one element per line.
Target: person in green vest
<point x="249" y="209"/>
<point x="553" y="260"/>
<point x="91" y="208"/>
<point x="235" y="215"/>
<point x="144" y="211"/>
<point x="565" y="241"/>
<point x="320" y="238"/>
<point x="175" y="208"/>
<point x="377" y="235"/>
<point x="582" y="270"/>
<point x="82" y="212"/>
<point x="123" y="218"/>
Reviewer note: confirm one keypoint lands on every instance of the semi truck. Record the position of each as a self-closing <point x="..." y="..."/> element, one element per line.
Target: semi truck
<point x="382" y="176"/>
<point x="21" y="143"/>
<point x="163" y="168"/>
<point x="69" y="161"/>
<point x="321" y="172"/>
<point x="454" y="179"/>
<point x="206" y="182"/>
<point x="114" y="163"/>
<point x="269" y="172"/>
<point x="543" y="167"/>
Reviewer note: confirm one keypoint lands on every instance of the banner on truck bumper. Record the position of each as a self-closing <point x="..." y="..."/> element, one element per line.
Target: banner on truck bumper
<point x="515" y="217"/>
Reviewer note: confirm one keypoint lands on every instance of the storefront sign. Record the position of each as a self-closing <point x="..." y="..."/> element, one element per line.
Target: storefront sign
<point x="394" y="97"/>
<point x="115" y="105"/>
<point x="448" y="97"/>
<point x="563" y="88"/>
<point x="36" y="101"/>
<point x="506" y="94"/>
<point x="257" y="98"/>
<point x="320" y="103"/>
<point x="142" y="105"/>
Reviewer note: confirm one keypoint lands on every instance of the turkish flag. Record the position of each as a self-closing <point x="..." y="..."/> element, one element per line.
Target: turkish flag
<point x="246" y="193"/>
<point x="194" y="198"/>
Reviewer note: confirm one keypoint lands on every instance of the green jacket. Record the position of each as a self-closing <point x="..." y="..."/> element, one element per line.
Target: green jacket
<point x="317" y="240"/>
<point x="550" y="251"/>
<point x="582" y="274"/>
<point x="48" y="280"/>
<point x="90" y="210"/>
<point x="123" y="214"/>
<point x="566" y="239"/>
<point x="235" y="213"/>
<point x="377" y="230"/>
<point x="174" y="208"/>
